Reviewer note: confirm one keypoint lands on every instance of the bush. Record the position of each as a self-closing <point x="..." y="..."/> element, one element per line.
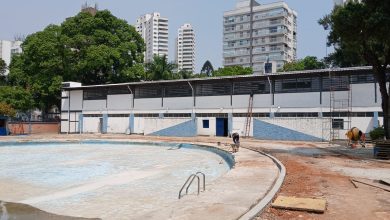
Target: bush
<point x="377" y="133"/>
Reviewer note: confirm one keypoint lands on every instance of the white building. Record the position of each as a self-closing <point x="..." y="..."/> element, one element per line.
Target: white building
<point x="254" y="33"/>
<point x="8" y="49"/>
<point x="185" y="48"/>
<point x="299" y="105"/>
<point x="154" y="30"/>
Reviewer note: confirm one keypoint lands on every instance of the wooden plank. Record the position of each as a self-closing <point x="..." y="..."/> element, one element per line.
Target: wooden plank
<point x="385" y="181"/>
<point x="373" y="184"/>
<point x="300" y="204"/>
<point x="354" y="184"/>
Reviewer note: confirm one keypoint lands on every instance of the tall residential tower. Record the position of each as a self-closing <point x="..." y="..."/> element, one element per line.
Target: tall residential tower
<point x="185" y="48"/>
<point x="8" y="49"/>
<point x="154" y="30"/>
<point x="254" y="34"/>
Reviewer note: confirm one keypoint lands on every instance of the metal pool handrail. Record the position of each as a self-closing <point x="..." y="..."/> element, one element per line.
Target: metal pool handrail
<point x="189" y="181"/>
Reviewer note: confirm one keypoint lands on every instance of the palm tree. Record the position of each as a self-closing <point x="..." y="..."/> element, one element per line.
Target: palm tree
<point x="160" y="68"/>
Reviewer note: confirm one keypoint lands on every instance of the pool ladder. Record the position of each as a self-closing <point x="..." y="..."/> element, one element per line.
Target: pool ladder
<point x="190" y="180"/>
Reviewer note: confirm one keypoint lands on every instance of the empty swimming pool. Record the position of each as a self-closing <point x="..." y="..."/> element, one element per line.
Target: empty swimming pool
<point x="109" y="180"/>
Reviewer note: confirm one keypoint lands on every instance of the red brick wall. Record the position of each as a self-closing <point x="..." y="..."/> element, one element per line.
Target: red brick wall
<point x="36" y="128"/>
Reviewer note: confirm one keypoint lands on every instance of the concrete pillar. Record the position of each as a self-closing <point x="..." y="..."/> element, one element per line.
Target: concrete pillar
<point x="105" y="124"/>
<point x="81" y="123"/>
<point x="131" y="123"/>
<point x="230" y="123"/>
<point x="376" y="122"/>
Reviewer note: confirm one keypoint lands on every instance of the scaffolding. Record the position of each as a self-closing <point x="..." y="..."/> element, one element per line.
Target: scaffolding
<point x="340" y="106"/>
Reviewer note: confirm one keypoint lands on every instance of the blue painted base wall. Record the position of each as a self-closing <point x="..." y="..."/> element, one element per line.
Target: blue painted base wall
<point x="186" y="129"/>
<point x="266" y="131"/>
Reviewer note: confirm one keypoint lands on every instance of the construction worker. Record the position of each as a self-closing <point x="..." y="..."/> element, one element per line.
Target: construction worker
<point x="356" y="136"/>
<point x="236" y="141"/>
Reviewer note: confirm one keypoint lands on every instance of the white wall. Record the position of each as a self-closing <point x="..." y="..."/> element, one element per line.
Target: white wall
<point x="94" y="105"/>
<point x="147" y="104"/>
<point x="213" y="102"/>
<point x="179" y="103"/>
<point x="363" y="95"/>
<point x="138" y="125"/>
<point x="239" y="125"/>
<point x="310" y="126"/>
<point x="156" y="124"/>
<point x="211" y="131"/>
<point x="76" y="100"/>
<point x="118" y="125"/>
<point x="119" y="102"/>
<point x="259" y="101"/>
<point x="91" y="125"/>
<point x="309" y="99"/>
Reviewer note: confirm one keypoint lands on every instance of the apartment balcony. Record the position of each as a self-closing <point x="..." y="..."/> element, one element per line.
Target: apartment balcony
<point x="268" y="16"/>
<point x="236" y="54"/>
<point x="235" y="63"/>
<point x="269" y="33"/>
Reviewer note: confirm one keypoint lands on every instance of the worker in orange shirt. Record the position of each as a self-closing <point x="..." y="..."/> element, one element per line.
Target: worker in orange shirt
<point x="356" y="136"/>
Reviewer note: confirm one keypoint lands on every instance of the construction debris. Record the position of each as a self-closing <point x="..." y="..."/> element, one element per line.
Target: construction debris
<point x="300" y="204"/>
<point x="353" y="183"/>
<point x="373" y="183"/>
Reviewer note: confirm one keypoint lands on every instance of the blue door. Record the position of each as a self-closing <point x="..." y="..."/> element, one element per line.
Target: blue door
<point x="3" y="128"/>
<point x="221" y="126"/>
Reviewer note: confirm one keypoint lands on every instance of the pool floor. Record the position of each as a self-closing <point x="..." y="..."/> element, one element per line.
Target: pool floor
<point x="109" y="181"/>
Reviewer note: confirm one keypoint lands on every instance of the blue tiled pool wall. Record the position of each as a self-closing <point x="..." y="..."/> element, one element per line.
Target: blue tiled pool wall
<point x="226" y="156"/>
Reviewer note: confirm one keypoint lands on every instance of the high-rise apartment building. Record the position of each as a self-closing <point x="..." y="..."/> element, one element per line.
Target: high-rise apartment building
<point x="8" y="49"/>
<point x="185" y="48"/>
<point x="154" y="30"/>
<point x="254" y="34"/>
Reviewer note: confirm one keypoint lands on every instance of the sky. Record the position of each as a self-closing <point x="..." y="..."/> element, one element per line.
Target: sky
<point x="24" y="17"/>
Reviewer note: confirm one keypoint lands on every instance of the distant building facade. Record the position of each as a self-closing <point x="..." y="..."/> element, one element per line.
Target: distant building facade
<point x="185" y="48"/>
<point x="254" y="33"/>
<point x="154" y="30"/>
<point x="8" y="49"/>
<point x="89" y="9"/>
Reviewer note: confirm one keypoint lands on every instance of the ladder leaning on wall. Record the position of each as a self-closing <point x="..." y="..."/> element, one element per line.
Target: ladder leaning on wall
<point x="248" y="119"/>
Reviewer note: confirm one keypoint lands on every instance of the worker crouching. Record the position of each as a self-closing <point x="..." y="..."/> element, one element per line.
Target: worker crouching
<point x="355" y="137"/>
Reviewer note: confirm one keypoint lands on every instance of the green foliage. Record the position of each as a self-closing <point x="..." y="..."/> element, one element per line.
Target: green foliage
<point x="233" y="71"/>
<point x="377" y="133"/>
<point x="3" y="68"/>
<point x="361" y="30"/>
<point x="160" y="69"/>
<point x="207" y="68"/>
<point x="307" y="63"/>
<point x="17" y="97"/>
<point x="7" y="110"/>
<point x="85" y="48"/>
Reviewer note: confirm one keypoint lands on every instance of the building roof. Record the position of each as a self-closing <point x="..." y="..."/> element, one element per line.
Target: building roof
<point x="272" y="75"/>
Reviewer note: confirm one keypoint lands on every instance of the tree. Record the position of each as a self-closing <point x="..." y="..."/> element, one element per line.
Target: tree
<point x="232" y="71"/>
<point x="91" y="49"/>
<point x="3" y="68"/>
<point x="362" y="28"/>
<point x="160" y="69"/>
<point x="17" y="97"/>
<point x="7" y="110"/>
<point x="307" y="63"/>
<point x="207" y="68"/>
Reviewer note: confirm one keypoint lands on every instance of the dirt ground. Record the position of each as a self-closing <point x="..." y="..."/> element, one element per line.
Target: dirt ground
<point x="314" y="170"/>
<point x="312" y="173"/>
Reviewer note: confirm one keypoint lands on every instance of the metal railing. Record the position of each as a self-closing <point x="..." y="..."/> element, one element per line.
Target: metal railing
<point x="189" y="181"/>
